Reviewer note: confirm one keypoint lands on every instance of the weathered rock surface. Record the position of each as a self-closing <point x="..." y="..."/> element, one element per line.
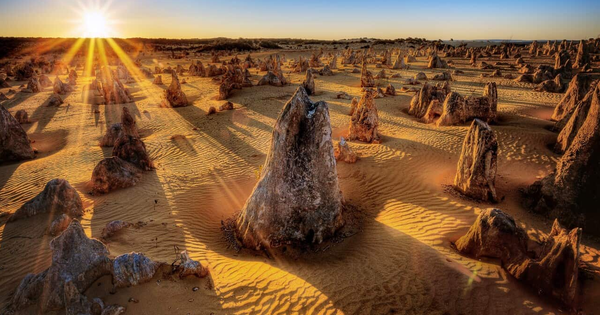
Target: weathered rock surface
<point x="133" y="269"/>
<point x="76" y="259"/>
<point x="111" y="135"/>
<point x="57" y="197"/>
<point x="572" y="192"/>
<point x="571" y="128"/>
<point x="133" y="150"/>
<point x="190" y="267"/>
<point x="114" y="173"/>
<point x="366" y="77"/>
<point x="60" y="87"/>
<point x="309" y="82"/>
<point x="22" y="117"/>
<point x="421" y="101"/>
<point x="344" y="153"/>
<point x="578" y="88"/>
<point x="158" y="80"/>
<point x="14" y="144"/>
<point x="551" y="267"/>
<point x="365" y="120"/>
<point x="34" y="85"/>
<point x="113" y="227"/>
<point x="59" y="224"/>
<point x="174" y="95"/>
<point x="457" y="110"/>
<point x="476" y="170"/>
<point x="54" y="100"/>
<point x="297" y="199"/>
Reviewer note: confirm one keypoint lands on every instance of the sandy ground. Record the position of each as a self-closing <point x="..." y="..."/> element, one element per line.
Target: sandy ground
<point x="401" y="262"/>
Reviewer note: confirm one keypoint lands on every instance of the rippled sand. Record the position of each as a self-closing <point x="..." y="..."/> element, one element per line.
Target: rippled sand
<point x="400" y="262"/>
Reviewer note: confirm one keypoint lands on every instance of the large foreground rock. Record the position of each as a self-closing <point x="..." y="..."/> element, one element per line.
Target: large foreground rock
<point x="113" y="173"/>
<point x="57" y="197"/>
<point x="365" y="120"/>
<point x="14" y="144"/>
<point x="578" y="88"/>
<point x="572" y="192"/>
<point x="574" y="123"/>
<point x="550" y="267"/>
<point x="297" y="199"/>
<point x="476" y="170"/>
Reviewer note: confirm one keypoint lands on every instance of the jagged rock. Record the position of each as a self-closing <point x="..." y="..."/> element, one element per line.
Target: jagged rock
<point x="133" y="150"/>
<point x="60" y="87"/>
<point x="54" y="100"/>
<point x="75" y="258"/>
<point x="34" y="85"/>
<point x="422" y="99"/>
<point x="381" y="74"/>
<point x="569" y="131"/>
<point x="583" y="55"/>
<point x="365" y="120"/>
<point x="14" y="144"/>
<point x="111" y="135"/>
<point x="59" y="224"/>
<point x="436" y="62"/>
<point x="72" y="77"/>
<point x="380" y="93"/>
<point x="571" y="192"/>
<point x="344" y="153"/>
<point x="22" y="117"/>
<point x="190" y="267"/>
<point x="174" y="95"/>
<point x="326" y="71"/>
<point x="551" y="267"/>
<point x="113" y="227"/>
<point x="399" y="63"/>
<point x="57" y="197"/>
<point x="457" y="110"/>
<point x="133" y="269"/>
<point x="309" y="82"/>
<point x="297" y="199"/>
<point x="366" y="77"/>
<point x="270" y="79"/>
<point x="75" y="302"/>
<point x="578" y="88"/>
<point x="158" y="80"/>
<point x="114" y="173"/>
<point x="353" y="105"/>
<point x="552" y="86"/>
<point x="476" y="171"/>
<point x="226" y="106"/>
<point x="390" y="90"/>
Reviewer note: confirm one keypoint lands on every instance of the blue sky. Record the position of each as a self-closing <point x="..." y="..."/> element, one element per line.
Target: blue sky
<point x="507" y="19"/>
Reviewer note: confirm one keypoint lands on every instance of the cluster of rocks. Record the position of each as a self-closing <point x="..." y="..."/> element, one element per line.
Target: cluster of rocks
<point x="274" y="74"/>
<point x="77" y="262"/>
<point x="105" y="89"/>
<point x="551" y="266"/>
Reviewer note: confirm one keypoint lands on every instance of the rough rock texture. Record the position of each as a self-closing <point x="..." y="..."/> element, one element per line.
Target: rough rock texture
<point x="174" y="95"/>
<point x="436" y="62"/>
<point x="353" y="105"/>
<point x="309" y="82"/>
<point x="60" y="87"/>
<point x="572" y="126"/>
<point x="297" y="199"/>
<point x="226" y="106"/>
<point x="578" y="88"/>
<point x="133" y="269"/>
<point x="420" y="76"/>
<point x="59" y="224"/>
<point x="457" y="110"/>
<point x="390" y="90"/>
<point x="421" y="101"/>
<point x="476" y="170"/>
<point x="54" y="100"/>
<point x="551" y="267"/>
<point x="552" y="86"/>
<point x="365" y="120"/>
<point x="75" y="258"/>
<point x="111" y="135"/>
<point x="133" y="150"/>
<point x="583" y="55"/>
<point x="14" y="144"/>
<point x="22" y="71"/>
<point x="366" y="77"/>
<point x="572" y="192"/>
<point x="158" y="80"/>
<point x="57" y="197"/>
<point x="326" y="71"/>
<point x="34" y="85"/>
<point x="114" y="173"/>
<point x="344" y="153"/>
<point x="190" y="267"/>
<point x="113" y="227"/>
<point x="22" y="117"/>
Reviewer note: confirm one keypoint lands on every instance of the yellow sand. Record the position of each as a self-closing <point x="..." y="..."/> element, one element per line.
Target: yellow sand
<point x="401" y="262"/>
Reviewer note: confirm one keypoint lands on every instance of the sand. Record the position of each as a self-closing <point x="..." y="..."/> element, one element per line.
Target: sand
<point x="400" y="262"/>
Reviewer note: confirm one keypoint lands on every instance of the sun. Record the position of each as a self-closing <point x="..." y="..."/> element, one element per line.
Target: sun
<point x="95" y="24"/>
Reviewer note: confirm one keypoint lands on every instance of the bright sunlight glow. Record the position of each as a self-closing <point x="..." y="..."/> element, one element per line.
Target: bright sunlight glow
<point x="94" y="25"/>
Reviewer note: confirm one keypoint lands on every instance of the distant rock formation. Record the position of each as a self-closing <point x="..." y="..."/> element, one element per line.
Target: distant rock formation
<point x="54" y="100"/>
<point x="297" y="199"/>
<point x="14" y="144"/>
<point x="552" y="267"/>
<point x="174" y="96"/>
<point x="34" y="85"/>
<point x="60" y="87"/>
<point x="476" y="170"/>
<point x="309" y="82"/>
<point x="421" y="101"/>
<point x="572" y="126"/>
<point x="366" y="77"/>
<point x="158" y="80"/>
<point x="365" y="120"/>
<point x="57" y="197"/>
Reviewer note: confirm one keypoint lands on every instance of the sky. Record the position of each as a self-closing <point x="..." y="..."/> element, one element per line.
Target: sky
<point x="333" y="19"/>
